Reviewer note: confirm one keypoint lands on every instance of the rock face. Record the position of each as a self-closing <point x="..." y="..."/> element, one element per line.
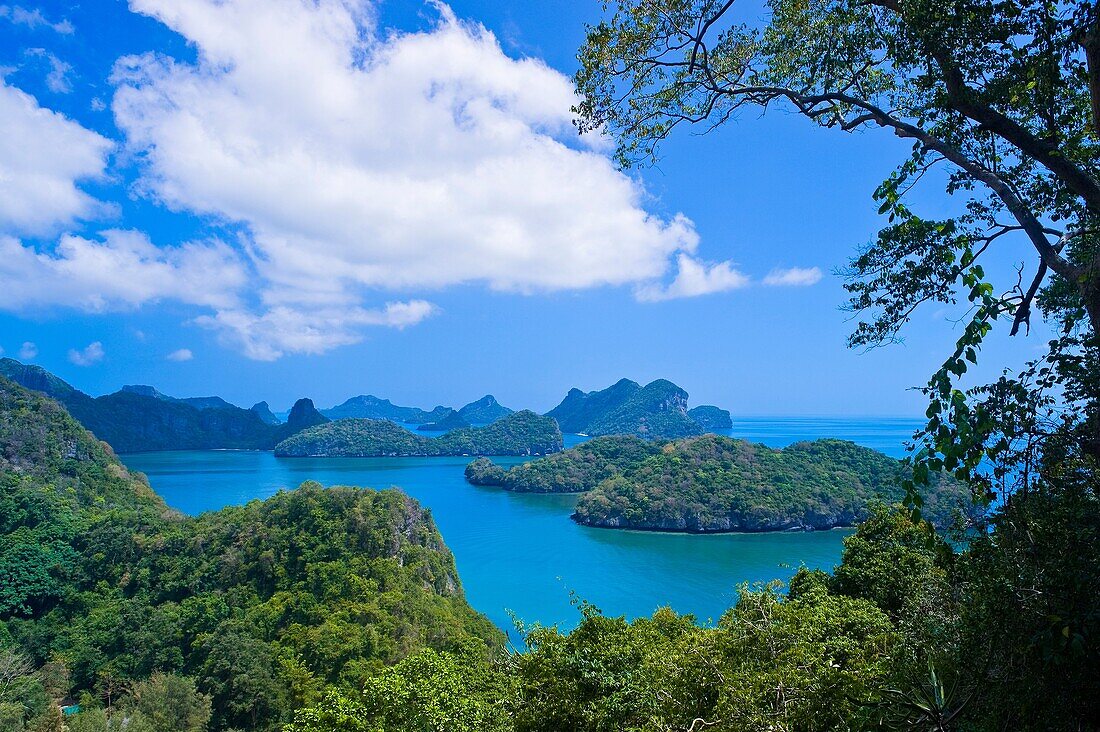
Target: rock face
<point x="484" y="410"/>
<point x="303" y="415"/>
<point x="711" y="418"/>
<point x="367" y="406"/>
<point x="451" y="421"/>
<point x="263" y="411"/>
<point x="522" y="433"/>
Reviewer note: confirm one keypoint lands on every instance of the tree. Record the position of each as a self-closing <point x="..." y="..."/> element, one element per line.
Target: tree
<point x="428" y="691"/>
<point x="171" y="702"/>
<point x="1002" y="94"/>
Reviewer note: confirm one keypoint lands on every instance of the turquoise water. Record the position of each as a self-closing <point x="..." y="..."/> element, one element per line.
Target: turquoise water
<point x="521" y="554"/>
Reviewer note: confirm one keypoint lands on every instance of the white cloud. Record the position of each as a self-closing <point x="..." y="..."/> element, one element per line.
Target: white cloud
<point x="42" y="157"/>
<point x="34" y="19"/>
<point x="359" y="159"/>
<point x="694" y="278"/>
<point x="90" y="354"/>
<point x="793" y="277"/>
<point x="284" y="330"/>
<point x="121" y="269"/>
<point x="57" y="78"/>
<point x="28" y="351"/>
<point x="182" y="354"/>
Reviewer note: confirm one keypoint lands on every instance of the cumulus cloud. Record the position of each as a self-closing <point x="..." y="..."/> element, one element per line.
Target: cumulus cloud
<point x="694" y="278"/>
<point x="34" y="19"/>
<point x="43" y="156"/>
<point x="793" y="277"/>
<point x="118" y="270"/>
<point x="359" y="159"/>
<point x="90" y="354"/>
<point x="356" y="165"/>
<point x="182" y="354"/>
<point x="295" y="330"/>
<point x="28" y="351"/>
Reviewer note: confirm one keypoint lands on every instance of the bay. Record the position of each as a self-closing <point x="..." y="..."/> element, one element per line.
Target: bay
<point x="520" y="555"/>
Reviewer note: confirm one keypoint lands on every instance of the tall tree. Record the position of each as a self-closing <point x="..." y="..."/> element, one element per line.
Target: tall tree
<point x="1003" y="94"/>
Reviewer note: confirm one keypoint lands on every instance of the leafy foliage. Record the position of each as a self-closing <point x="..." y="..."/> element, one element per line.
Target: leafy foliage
<point x="262" y="605"/>
<point x="1002" y="97"/>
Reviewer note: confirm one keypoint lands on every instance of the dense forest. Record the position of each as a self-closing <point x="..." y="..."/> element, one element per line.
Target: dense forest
<point x="712" y="483"/>
<point x="519" y="433"/>
<point x="248" y="612"/>
<point x="339" y="610"/>
<point x="906" y="634"/>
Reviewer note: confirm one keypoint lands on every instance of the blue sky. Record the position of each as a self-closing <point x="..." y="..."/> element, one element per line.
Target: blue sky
<point x="267" y="200"/>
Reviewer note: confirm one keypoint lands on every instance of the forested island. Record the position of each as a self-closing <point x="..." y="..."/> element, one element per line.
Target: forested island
<point x="714" y="484"/>
<point x="519" y="433"/>
<point x="484" y="410"/>
<point x="657" y="410"/>
<point x="366" y="406"/>
<point x="140" y="418"/>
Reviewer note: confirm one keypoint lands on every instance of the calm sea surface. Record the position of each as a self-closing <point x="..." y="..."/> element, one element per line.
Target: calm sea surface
<point x="520" y="554"/>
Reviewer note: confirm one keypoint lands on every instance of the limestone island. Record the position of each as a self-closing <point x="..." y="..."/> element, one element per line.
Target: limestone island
<point x="520" y="433"/>
<point x="712" y="484"/>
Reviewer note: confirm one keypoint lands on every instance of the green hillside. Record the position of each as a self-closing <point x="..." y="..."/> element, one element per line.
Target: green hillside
<point x="262" y="605"/>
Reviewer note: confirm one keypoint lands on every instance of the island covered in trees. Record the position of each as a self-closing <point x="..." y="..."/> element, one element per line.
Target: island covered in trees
<point x="657" y="410"/>
<point x="714" y="484"/>
<point x="520" y="433"/>
<point x="141" y="418"/>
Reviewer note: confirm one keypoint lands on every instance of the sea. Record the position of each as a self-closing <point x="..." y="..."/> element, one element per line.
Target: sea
<point x="520" y="557"/>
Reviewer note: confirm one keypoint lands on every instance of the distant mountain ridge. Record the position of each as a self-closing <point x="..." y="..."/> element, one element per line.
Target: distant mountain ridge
<point x="142" y="419"/>
<point x="368" y="406"/>
<point x="657" y="410"/>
